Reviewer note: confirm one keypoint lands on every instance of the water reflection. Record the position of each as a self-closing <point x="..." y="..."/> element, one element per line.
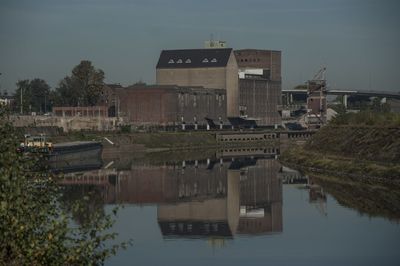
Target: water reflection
<point x="226" y="195"/>
<point x="217" y="197"/>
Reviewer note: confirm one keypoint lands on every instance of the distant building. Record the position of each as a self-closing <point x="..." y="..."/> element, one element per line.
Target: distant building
<point x="84" y="111"/>
<point x="208" y="68"/>
<point x="260" y="85"/>
<point x="6" y="100"/>
<point x="394" y="105"/>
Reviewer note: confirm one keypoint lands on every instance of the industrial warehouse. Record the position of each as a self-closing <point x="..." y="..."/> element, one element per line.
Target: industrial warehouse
<point x="213" y="87"/>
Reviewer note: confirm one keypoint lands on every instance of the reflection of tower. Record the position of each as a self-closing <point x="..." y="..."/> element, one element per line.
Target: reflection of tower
<point x="201" y="201"/>
<point x="261" y="199"/>
<point x="317" y="197"/>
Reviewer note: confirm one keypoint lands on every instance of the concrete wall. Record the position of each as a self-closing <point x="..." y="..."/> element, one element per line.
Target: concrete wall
<point x="232" y="87"/>
<point x="208" y="77"/>
<point x="67" y="123"/>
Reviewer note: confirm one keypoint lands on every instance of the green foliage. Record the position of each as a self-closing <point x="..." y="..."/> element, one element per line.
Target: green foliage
<point x="369" y="118"/>
<point x="82" y="88"/>
<point x="35" y="96"/>
<point x="125" y="128"/>
<point x="35" y="227"/>
<point x="301" y="87"/>
<point x="339" y="108"/>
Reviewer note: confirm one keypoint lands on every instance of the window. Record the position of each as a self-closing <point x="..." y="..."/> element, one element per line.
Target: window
<point x="171" y="61"/>
<point x="205" y="60"/>
<point x="214" y="60"/>
<point x="188" y="61"/>
<point x="179" y="61"/>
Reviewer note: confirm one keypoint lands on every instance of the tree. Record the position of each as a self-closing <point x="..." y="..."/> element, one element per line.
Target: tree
<point x="300" y="87"/>
<point x="82" y="88"/>
<point x="35" y="96"/>
<point x="35" y="229"/>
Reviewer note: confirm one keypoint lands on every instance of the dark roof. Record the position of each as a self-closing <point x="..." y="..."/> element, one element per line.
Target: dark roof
<point x="194" y="58"/>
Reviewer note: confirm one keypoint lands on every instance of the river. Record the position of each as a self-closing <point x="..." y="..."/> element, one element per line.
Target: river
<point x="238" y="209"/>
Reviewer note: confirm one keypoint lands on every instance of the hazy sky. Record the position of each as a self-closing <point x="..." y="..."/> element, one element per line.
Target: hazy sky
<point x="358" y="40"/>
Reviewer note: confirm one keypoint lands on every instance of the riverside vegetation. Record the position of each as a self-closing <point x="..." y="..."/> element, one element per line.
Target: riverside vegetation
<point x="356" y="158"/>
<point x="36" y="225"/>
<point x="363" y="145"/>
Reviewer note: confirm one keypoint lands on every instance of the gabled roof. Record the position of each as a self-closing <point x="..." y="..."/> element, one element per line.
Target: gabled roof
<point x="194" y="58"/>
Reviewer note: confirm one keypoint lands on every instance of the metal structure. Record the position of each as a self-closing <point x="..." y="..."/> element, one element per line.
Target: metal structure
<point x="316" y="99"/>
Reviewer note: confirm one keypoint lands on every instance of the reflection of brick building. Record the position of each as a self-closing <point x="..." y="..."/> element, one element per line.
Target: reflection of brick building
<point x="260" y="85"/>
<point x="200" y="198"/>
<point x="261" y="199"/>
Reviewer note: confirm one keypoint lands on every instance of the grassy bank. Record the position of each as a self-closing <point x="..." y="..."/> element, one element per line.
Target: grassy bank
<point x="349" y="167"/>
<point x="168" y="140"/>
<point x="362" y="146"/>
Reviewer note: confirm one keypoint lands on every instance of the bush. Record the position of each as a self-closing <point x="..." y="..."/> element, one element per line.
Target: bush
<point x="35" y="228"/>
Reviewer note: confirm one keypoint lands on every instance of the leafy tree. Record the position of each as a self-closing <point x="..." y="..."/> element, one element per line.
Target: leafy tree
<point x="35" y="95"/>
<point x="339" y="108"/>
<point x="301" y="87"/>
<point x="34" y="227"/>
<point x="82" y="88"/>
<point x="378" y="106"/>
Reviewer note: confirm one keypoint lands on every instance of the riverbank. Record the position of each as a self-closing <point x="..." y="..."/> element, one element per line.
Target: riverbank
<point x="374" y="200"/>
<point x="149" y="141"/>
<point x="344" y="166"/>
<point x="162" y="141"/>
<point x="363" y="152"/>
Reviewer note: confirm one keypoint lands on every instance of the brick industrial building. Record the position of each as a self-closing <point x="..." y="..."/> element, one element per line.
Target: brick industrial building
<point x="172" y="105"/>
<point x="260" y="85"/>
<point x="199" y="87"/>
<point x="208" y="68"/>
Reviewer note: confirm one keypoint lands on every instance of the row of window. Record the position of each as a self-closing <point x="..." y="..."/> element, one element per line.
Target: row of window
<point x="188" y="61"/>
<point x="250" y="60"/>
<point x="247" y="138"/>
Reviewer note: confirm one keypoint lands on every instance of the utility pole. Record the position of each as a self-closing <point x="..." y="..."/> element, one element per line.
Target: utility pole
<point x="21" y="100"/>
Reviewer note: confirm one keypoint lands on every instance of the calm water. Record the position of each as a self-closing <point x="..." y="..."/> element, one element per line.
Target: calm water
<point x="228" y="210"/>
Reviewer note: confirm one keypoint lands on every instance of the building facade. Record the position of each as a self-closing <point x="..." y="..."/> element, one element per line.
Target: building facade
<point x="260" y="85"/>
<point x="171" y="105"/>
<point x="208" y="68"/>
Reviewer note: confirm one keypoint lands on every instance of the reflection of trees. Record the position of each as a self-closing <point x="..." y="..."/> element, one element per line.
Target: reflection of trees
<point x="83" y="202"/>
<point x="373" y="200"/>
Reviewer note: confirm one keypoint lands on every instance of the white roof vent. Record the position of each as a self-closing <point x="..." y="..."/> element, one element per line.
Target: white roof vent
<point x="214" y="60"/>
<point x="188" y="61"/>
<point x="205" y="60"/>
<point x="179" y="61"/>
<point x="171" y="61"/>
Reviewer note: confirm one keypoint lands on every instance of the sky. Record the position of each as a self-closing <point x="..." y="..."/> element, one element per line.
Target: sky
<point x="357" y="40"/>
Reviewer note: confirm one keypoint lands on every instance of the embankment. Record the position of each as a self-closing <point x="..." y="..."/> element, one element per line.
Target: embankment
<point x="149" y="141"/>
<point x="363" y="152"/>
